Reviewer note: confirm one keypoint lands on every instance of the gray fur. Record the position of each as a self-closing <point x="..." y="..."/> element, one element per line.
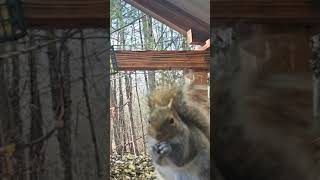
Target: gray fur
<point x="181" y="158"/>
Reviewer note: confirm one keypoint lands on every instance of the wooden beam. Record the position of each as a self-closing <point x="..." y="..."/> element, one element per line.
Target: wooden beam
<point x="62" y="14"/>
<point x="163" y="60"/>
<point x="260" y="12"/>
<point x="174" y="17"/>
<point x="204" y="47"/>
<point x="195" y="38"/>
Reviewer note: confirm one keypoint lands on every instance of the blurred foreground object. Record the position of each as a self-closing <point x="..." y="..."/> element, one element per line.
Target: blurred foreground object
<point x="12" y="22"/>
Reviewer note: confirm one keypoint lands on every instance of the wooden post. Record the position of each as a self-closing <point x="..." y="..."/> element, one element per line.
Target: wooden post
<point x="316" y="102"/>
<point x="315" y="61"/>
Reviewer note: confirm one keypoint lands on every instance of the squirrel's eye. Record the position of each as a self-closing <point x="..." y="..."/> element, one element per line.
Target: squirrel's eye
<point x="171" y="121"/>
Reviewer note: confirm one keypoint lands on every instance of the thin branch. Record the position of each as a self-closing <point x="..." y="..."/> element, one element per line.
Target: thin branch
<point x="127" y="24"/>
<point x="39" y="140"/>
<point x="27" y="50"/>
<point x="14" y="146"/>
<point x="120" y="107"/>
<point x="32" y="48"/>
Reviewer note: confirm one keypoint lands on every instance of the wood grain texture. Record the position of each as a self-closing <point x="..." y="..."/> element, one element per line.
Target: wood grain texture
<point x="163" y="60"/>
<point x="174" y="17"/>
<point x="67" y="13"/>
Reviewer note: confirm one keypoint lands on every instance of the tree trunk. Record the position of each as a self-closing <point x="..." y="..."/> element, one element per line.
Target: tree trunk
<point x="19" y="155"/>
<point x="122" y="42"/>
<point x="146" y="80"/>
<point x="149" y="44"/>
<point x="121" y="116"/>
<point x="128" y="125"/>
<point x="152" y="80"/>
<point x="86" y="95"/>
<point x="5" y="119"/>
<point x="115" y="117"/>
<point x="140" y="33"/>
<point x="129" y="137"/>
<point x="36" y="130"/>
<point x="62" y="115"/>
<point x="140" y="113"/>
<point x="128" y="83"/>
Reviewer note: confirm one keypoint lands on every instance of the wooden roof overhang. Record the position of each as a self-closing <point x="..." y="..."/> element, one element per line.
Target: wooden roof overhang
<point x="169" y="13"/>
<point x="302" y="12"/>
<point x="163" y="60"/>
<point x="301" y="17"/>
<point x="63" y="14"/>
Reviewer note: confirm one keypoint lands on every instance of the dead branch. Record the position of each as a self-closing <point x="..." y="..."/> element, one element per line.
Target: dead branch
<point x="10" y="148"/>
<point x="32" y="48"/>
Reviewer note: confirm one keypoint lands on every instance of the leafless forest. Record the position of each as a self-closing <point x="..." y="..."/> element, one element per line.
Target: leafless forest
<point x="53" y="85"/>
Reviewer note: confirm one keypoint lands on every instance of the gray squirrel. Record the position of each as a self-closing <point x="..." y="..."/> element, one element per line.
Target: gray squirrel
<point x="178" y="136"/>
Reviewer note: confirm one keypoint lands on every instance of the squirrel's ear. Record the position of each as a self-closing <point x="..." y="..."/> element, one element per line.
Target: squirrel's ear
<point x="170" y="103"/>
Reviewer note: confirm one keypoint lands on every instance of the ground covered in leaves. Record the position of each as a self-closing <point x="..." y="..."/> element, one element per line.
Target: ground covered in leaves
<point x="131" y="167"/>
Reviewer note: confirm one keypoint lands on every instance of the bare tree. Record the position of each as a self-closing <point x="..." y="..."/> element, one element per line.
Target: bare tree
<point x="59" y="103"/>
<point x="115" y="117"/>
<point x="6" y="164"/>
<point x="128" y="82"/>
<point x="121" y="117"/>
<point x="36" y="129"/>
<point x="87" y="102"/>
<point x="140" y="113"/>
<point x="14" y="95"/>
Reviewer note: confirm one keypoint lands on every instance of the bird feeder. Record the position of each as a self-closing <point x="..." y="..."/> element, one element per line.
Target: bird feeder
<point x="12" y="21"/>
<point x="113" y="62"/>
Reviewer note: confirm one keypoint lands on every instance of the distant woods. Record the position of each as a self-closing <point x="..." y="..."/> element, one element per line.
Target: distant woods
<point x="131" y="29"/>
<point x="49" y="85"/>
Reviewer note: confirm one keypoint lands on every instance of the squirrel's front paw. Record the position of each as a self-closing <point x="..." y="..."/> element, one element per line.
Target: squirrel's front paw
<point x="162" y="148"/>
<point x="160" y="151"/>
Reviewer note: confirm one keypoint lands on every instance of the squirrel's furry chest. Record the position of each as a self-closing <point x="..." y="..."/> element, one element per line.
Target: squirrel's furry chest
<point x="167" y="172"/>
<point x="190" y="171"/>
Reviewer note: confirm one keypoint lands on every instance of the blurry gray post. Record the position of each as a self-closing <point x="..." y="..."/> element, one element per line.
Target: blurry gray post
<point x="315" y="62"/>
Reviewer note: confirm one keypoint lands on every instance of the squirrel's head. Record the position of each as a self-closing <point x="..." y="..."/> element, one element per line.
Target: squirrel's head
<point x="164" y="122"/>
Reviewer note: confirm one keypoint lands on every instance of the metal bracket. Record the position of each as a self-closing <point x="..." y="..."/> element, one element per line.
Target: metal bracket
<point x="113" y="62"/>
